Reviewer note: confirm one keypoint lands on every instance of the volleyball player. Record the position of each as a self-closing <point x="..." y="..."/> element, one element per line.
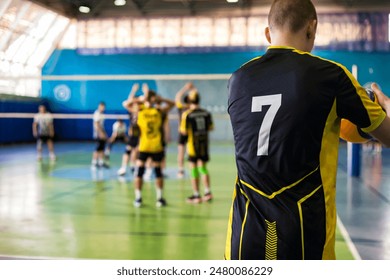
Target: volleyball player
<point x="131" y="104"/>
<point x="43" y="131"/>
<point x="100" y="136"/>
<point x="150" y="123"/>
<point x="181" y="101"/>
<point x="196" y="124"/>
<point x="119" y="133"/>
<point x="285" y="108"/>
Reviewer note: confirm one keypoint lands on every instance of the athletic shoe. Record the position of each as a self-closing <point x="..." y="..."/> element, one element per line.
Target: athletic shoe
<point x="161" y="202"/>
<point x="121" y="171"/>
<point x="137" y="203"/>
<point x="207" y="197"/>
<point x="105" y="165"/>
<point x="195" y="199"/>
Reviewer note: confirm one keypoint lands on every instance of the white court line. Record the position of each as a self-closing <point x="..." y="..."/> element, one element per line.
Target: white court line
<point x="135" y="77"/>
<point x="348" y="239"/>
<point x="61" y="116"/>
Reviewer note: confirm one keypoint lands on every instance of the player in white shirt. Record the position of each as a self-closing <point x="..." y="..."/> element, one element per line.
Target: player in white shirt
<point x="119" y="133"/>
<point x="100" y="135"/>
<point x="43" y="131"/>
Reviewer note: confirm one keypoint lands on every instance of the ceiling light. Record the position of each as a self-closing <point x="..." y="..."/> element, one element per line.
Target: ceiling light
<point x="120" y="2"/>
<point x="84" y="9"/>
<point x="232" y="1"/>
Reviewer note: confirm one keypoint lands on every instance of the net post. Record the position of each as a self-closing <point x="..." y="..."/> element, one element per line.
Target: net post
<point x="353" y="161"/>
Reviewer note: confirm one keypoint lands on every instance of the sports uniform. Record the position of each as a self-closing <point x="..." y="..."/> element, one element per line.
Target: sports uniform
<point x="98" y="120"/>
<point x="196" y="125"/>
<point x="43" y="130"/>
<point x="286" y="124"/>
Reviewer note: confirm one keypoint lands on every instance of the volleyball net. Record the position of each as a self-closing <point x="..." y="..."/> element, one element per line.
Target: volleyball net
<point x="71" y="100"/>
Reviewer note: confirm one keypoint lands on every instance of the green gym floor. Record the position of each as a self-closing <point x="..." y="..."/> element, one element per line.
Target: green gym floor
<point x="64" y="210"/>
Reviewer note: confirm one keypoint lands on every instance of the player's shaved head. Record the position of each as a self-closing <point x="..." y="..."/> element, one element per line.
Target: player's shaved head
<point x="291" y="15"/>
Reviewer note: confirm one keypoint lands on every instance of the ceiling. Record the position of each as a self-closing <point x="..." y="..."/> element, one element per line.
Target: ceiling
<point x="159" y="8"/>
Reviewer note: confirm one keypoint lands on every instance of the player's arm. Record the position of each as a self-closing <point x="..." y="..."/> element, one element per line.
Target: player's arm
<point x="168" y="104"/>
<point x="382" y="132"/>
<point x="35" y="128"/>
<point x="102" y="134"/>
<point x="180" y="94"/>
<point x="131" y="98"/>
<point x="51" y="128"/>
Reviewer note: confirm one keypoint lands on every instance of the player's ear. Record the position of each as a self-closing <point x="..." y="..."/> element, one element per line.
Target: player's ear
<point x="311" y="29"/>
<point x="267" y="34"/>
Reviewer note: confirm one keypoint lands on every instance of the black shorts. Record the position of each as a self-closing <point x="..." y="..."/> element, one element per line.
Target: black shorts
<point x="133" y="141"/>
<point x="182" y="139"/>
<point x="156" y="157"/>
<point x="44" y="138"/>
<point x="100" y="145"/>
<point x="204" y="158"/>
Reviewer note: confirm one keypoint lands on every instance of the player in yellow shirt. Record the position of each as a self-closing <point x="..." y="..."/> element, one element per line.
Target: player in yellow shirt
<point x="150" y="123"/>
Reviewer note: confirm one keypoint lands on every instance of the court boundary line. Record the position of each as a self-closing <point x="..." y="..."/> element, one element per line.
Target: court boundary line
<point x="348" y="240"/>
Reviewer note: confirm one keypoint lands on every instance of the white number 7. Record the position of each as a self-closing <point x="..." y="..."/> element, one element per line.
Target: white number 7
<point x="257" y="106"/>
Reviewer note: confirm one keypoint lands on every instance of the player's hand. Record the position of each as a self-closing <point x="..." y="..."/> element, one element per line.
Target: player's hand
<point x="383" y="100"/>
<point x="189" y="85"/>
<point x="135" y="87"/>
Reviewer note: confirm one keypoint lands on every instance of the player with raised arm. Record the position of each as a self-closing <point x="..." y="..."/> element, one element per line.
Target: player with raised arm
<point x="196" y="124"/>
<point x="150" y="123"/>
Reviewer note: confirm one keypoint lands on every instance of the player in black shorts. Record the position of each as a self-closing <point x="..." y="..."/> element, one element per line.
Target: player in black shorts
<point x="285" y="108"/>
<point x="181" y="102"/>
<point x="131" y="104"/>
<point x="196" y="124"/>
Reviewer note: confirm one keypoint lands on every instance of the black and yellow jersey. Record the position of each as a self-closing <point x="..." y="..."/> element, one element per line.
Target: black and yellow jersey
<point x="150" y="125"/>
<point x="285" y="109"/>
<point x="196" y="123"/>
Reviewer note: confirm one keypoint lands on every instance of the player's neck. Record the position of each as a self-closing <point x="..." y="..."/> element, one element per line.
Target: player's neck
<point x="294" y="40"/>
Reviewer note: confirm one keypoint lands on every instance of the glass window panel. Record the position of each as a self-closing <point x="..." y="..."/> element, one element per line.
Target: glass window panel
<point x="140" y="34"/>
<point x="221" y="32"/>
<point x="172" y="32"/>
<point x="123" y="33"/>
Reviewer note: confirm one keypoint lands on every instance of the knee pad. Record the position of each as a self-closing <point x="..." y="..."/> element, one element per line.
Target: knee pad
<point x="158" y="172"/>
<point x="140" y="171"/>
<point x="194" y="173"/>
<point x="128" y="152"/>
<point x="203" y="170"/>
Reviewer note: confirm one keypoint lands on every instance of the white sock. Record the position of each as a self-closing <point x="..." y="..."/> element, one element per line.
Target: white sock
<point x="137" y="194"/>
<point x="159" y="193"/>
<point x="207" y="190"/>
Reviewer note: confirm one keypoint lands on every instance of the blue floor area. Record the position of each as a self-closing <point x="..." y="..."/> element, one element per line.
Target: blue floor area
<point x="363" y="203"/>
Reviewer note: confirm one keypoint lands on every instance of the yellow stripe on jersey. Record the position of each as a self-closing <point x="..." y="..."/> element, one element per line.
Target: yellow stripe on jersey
<point x="243" y="222"/>
<point x="271" y="241"/>
<point x="274" y="194"/>
<point x="303" y="199"/>
<point x="228" y="247"/>
<point x="328" y="170"/>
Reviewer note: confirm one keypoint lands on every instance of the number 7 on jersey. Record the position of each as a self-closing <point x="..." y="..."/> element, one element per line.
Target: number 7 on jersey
<point x="258" y="102"/>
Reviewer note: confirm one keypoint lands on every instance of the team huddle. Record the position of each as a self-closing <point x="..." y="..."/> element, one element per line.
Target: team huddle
<point x="146" y="138"/>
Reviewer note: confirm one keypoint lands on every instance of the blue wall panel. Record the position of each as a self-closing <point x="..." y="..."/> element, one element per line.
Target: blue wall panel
<point x="77" y="94"/>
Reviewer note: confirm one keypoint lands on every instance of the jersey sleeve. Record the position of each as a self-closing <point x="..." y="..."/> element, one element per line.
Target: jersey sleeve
<point x="354" y="104"/>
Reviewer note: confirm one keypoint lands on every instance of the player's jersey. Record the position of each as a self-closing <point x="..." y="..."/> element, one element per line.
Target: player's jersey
<point x="285" y="108"/>
<point x="44" y="122"/>
<point x="150" y="125"/>
<point x="119" y="128"/>
<point x="181" y="108"/>
<point x="98" y="118"/>
<point x="196" y="124"/>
